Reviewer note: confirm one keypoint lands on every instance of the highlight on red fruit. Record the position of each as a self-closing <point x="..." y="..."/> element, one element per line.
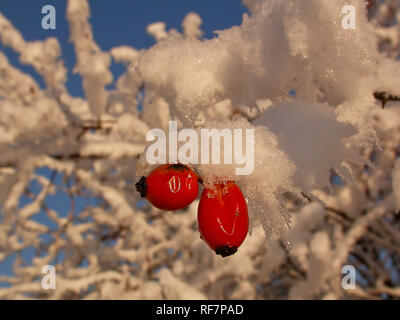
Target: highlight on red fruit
<point x="169" y="187"/>
<point x="223" y="219"/>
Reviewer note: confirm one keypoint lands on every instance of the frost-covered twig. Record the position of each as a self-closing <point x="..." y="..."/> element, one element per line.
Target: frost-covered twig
<point x="384" y="97"/>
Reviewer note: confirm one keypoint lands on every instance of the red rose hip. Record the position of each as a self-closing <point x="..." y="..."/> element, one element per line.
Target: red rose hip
<point x="169" y="187"/>
<point x="223" y="218"/>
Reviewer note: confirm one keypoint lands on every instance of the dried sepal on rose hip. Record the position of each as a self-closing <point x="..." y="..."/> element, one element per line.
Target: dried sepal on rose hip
<point x="169" y="187"/>
<point x="223" y="219"/>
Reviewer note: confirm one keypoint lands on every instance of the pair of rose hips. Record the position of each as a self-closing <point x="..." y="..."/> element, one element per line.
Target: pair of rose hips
<point x="222" y="215"/>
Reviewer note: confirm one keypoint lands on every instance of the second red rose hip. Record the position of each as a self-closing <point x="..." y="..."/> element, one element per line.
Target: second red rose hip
<point x="223" y="218"/>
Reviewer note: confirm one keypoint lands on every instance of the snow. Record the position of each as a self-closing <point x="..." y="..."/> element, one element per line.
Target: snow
<point x="191" y="25"/>
<point x="312" y="137"/>
<point x="267" y="56"/>
<point x="289" y="73"/>
<point x="333" y="72"/>
<point x="157" y="30"/>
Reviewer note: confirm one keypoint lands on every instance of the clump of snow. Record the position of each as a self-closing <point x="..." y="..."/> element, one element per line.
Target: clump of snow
<point x="312" y="137"/>
<point x="252" y="5"/>
<point x="320" y="260"/>
<point x="192" y="83"/>
<point x="38" y="119"/>
<point x="157" y="30"/>
<point x="191" y="25"/>
<point x="92" y="64"/>
<point x="156" y="113"/>
<point x="285" y="45"/>
<point x="124" y="54"/>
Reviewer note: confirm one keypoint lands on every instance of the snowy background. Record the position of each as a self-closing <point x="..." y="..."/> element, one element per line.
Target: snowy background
<point x="76" y="104"/>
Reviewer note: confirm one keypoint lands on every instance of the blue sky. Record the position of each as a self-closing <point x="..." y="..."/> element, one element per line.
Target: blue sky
<point x="114" y="23"/>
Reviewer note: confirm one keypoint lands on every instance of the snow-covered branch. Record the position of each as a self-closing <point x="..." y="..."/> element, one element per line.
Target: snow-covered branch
<point x="324" y="192"/>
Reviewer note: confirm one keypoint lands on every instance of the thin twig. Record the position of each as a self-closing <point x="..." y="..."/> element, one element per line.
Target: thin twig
<point x="385" y="97"/>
